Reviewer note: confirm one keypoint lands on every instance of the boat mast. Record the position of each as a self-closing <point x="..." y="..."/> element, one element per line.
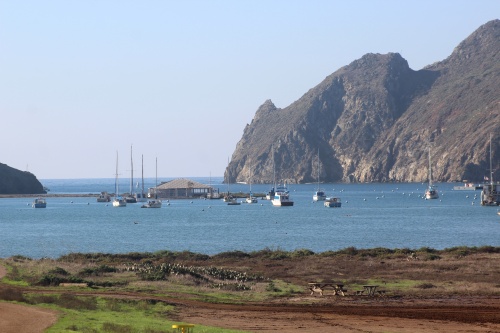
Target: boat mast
<point x="142" y="170"/>
<point x="319" y="167"/>
<point x="430" y="169"/>
<point x="274" y="170"/>
<point x="116" y="176"/>
<point x="131" y="172"/>
<point x="156" y="178"/>
<point x="491" y="165"/>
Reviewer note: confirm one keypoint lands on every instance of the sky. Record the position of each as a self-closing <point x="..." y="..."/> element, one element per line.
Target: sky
<point x="179" y="80"/>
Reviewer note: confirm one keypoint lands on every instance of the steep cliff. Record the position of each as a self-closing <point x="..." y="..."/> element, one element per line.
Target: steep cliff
<point x="375" y="119"/>
<point x="13" y="181"/>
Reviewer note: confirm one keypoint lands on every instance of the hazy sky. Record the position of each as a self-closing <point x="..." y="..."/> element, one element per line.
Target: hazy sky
<point x="179" y="80"/>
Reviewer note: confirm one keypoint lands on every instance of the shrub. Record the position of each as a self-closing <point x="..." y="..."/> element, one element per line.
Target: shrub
<point x="302" y="253"/>
<point x="425" y="286"/>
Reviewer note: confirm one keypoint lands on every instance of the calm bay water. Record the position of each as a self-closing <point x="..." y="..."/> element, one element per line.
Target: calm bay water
<point x="372" y="215"/>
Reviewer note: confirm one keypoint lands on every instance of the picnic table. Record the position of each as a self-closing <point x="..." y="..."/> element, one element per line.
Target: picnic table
<point x="370" y="289"/>
<point x="338" y="288"/>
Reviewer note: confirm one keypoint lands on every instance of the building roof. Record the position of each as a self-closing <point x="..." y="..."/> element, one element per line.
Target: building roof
<point x="181" y="183"/>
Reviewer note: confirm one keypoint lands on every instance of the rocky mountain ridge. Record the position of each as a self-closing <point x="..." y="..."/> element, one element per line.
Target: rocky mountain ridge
<point x="14" y="181"/>
<point x="375" y="120"/>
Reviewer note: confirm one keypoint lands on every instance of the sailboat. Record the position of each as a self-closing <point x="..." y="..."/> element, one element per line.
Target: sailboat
<point x="141" y="196"/>
<point x="231" y="201"/>
<point x="490" y="196"/>
<point x="154" y="203"/>
<point x="281" y="195"/>
<point x="118" y="201"/>
<point x="431" y="192"/>
<point x="319" y="195"/>
<point x="130" y="198"/>
<point x="251" y="199"/>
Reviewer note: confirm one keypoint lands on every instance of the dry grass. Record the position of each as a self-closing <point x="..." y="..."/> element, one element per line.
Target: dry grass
<point x="427" y="272"/>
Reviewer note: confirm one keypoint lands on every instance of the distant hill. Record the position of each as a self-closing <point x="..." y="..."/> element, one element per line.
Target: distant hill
<point x="375" y="119"/>
<point x="13" y="181"/>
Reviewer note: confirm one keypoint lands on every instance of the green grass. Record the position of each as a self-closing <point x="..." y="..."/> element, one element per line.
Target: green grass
<point x="114" y="315"/>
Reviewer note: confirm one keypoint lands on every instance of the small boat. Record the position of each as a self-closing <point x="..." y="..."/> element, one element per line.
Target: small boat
<point x="130" y="197"/>
<point x="156" y="203"/>
<point x="319" y="195"/>
<point x="490" y="196"/>
<point x="468" y="187"/>
<point x="39" y="203"/>
<point x="270" y="194"/>
<point x="251" y="199"/>
<point x="281" y="197"/>
<point x="233" y="202"/>
<point x="431" y="192"/>
<point x="104" y="197"/>
<point x="118" y="201"/>
<point x="333" y="202"/>
<point x="141" y="196"/>
<point x="152" y="204"/>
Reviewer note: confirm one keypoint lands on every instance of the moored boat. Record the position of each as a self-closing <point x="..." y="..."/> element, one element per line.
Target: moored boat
<point x="319" y="195"/>
<point x="333" y="202"/>
<point x="468" y="187"/>
<point x="490" y="196"/>
<point x="104" y="197"/>
<point x="431" y="192"/>
<point x="118" y="201"/>
<point x="39" y="203"/>
<point x="155" y="203"/>
<point x="282" y="197"/>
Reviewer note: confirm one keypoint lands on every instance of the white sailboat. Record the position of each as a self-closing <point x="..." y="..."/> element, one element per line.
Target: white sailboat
<point x="251" y="199"/>
<point x="130" y="198"/>
<point x="490" y="196"/>
<point x="118" y="201"/>
<point x="319" y="195"/>
<point x="281" y="194"/>
<point x="431" y="192"/>
<point x="141" y="196"/>
<point x="154" y="203"/>
<point x="231" y="201"/>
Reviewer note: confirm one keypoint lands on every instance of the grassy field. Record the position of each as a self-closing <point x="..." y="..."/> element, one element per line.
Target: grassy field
<point x="122" y="292"/>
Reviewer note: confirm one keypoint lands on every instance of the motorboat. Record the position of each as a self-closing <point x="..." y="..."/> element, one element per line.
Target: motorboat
<point x="233" y="202"/>
<point x="104" y="197"/>
<point x="39" y="203"/>
<point x="333" y="202"/>
<point x="468" y="187"/>
<point x="251" y="199"/>
<point x="282" y="197"/>
<point x="155" y="203"/>
<point x="319" y="196"/>
<point x="270" y="194"/>
<point x="119" y="202"/>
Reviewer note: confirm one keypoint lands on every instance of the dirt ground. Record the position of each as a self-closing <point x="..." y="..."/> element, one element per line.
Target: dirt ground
<point x="326" y="314"/>
<point x="16" y="318"/>
<point x="341" y="316"/>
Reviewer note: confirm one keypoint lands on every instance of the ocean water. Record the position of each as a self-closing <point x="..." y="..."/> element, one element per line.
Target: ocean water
<point x="372" y="215"/>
